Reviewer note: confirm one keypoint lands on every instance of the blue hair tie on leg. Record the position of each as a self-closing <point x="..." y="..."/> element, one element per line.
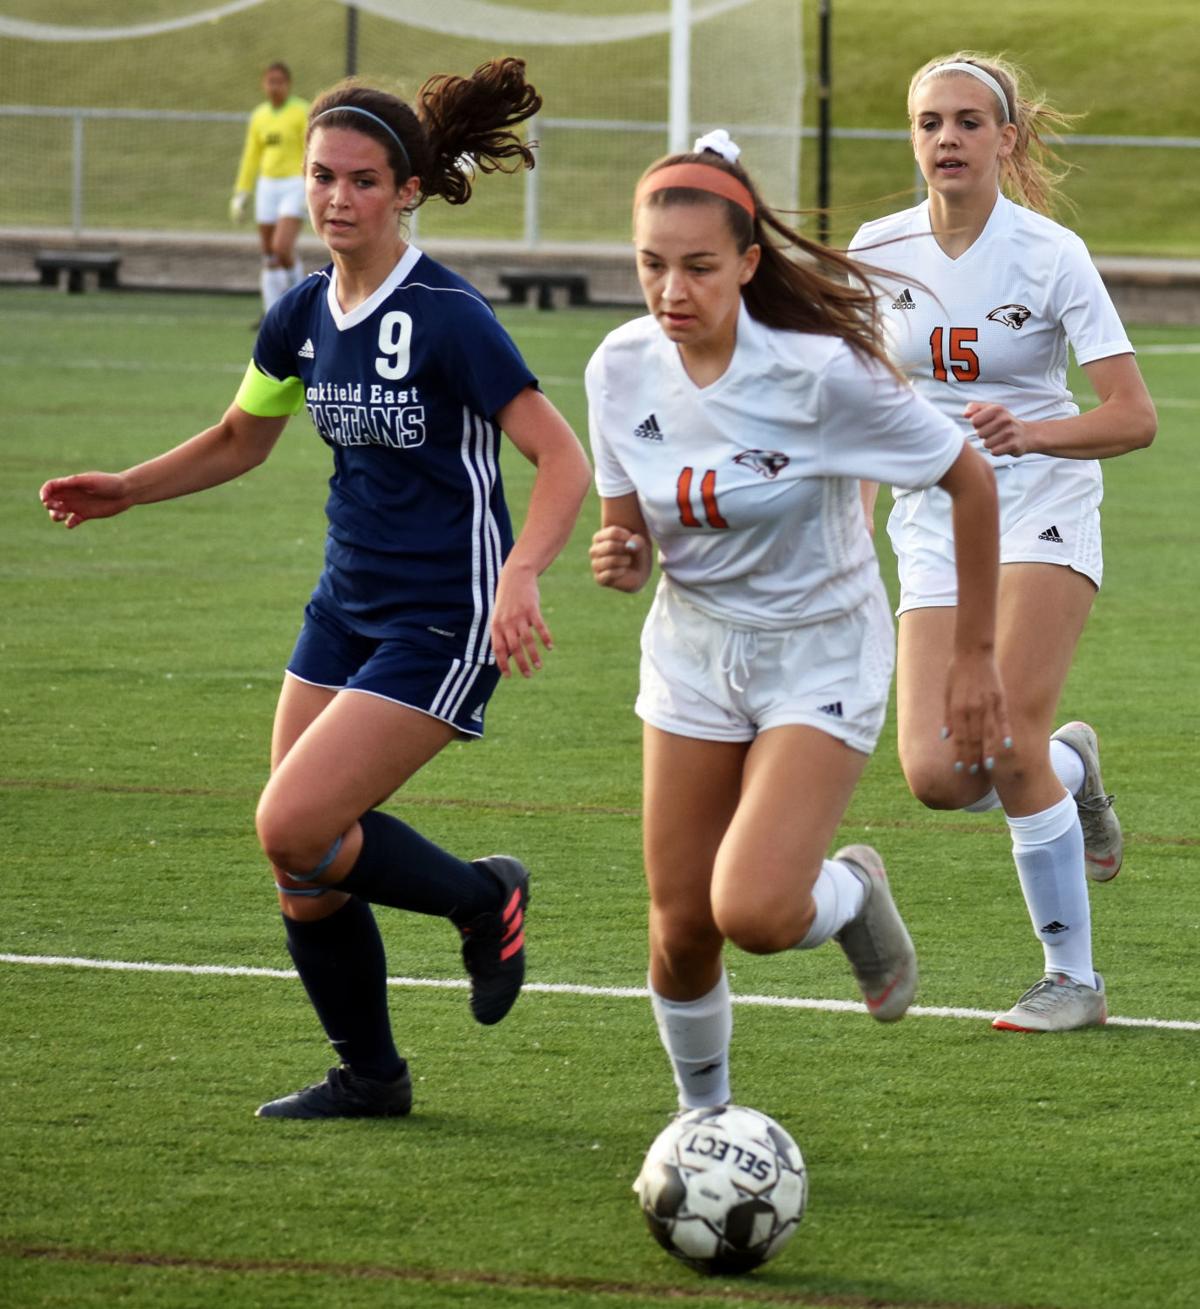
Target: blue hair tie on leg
<point x="302" y="890"/>
<point x="330" y="855"/>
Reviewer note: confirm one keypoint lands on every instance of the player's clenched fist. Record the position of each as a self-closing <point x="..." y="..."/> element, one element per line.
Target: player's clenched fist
<point x="620" y="558"/>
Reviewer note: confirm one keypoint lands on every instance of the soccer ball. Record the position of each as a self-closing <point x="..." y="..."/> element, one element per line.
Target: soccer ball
<point x="723" y="1189"/>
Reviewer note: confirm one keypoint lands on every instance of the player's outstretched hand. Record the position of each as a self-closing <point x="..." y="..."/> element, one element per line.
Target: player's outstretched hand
<point x="1001" y="431"/>
<point x="976" y="713"/>
<point x="73" y="500"/>
<point x="620" y="558"/>
<point x="517" y="622"/>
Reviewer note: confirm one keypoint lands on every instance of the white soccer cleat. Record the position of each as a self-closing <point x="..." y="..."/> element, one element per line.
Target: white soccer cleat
<point x="877" y="943"/>
<point x="1056" y="1003"/>
<point x="1103" y="844"/>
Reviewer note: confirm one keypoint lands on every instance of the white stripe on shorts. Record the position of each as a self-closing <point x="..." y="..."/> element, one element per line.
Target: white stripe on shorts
<point x="492" y="543"/>
<point x="479" y="463"/>
<point x="454" y="689"/>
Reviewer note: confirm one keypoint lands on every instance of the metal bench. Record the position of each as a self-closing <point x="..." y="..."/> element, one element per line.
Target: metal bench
<point x="75" y="263"/>
<point x="519" y="284"/>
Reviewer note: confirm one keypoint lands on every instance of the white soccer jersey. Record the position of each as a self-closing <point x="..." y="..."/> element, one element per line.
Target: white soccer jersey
<point x="993" y="324"/>
<point x="750" y="486"/>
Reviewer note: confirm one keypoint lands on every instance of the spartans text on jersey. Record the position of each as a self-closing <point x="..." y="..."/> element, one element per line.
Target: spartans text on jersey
<point x="388" y="417"/>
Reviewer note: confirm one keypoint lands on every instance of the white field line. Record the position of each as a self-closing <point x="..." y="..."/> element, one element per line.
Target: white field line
<point x="1171" y="348"/>
<point x="546" y="988"/>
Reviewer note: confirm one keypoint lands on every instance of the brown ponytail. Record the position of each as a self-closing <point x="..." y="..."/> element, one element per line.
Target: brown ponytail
<point x="798" y="286"/>
<point x="471" y="118"/>
<point x="1031" y="175"/>
<point x="460" y="124"/>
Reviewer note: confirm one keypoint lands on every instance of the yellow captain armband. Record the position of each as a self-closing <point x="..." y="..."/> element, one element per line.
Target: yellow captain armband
<point x="266" y="397"/>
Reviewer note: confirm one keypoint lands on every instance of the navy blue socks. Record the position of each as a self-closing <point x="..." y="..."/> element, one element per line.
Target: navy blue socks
<point x="341" y="962"/>
<point x="341" y="958"/>
<point x="399" y="867"/>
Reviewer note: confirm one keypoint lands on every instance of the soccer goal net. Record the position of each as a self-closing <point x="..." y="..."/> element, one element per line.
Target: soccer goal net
<point x="124" y="119"/>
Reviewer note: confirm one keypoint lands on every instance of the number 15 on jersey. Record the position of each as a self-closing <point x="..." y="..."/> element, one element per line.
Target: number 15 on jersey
<point x="953" y="357"/>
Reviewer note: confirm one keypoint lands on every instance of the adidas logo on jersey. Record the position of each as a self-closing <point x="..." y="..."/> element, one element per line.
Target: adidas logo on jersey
<point x="904" y="300"/>
<point x="1014" y="316"/>
<point x="649" y="430"/>
<point x="306" y="351"/>
<point x="1051" y="534"/>
<point x="834" y="710"/>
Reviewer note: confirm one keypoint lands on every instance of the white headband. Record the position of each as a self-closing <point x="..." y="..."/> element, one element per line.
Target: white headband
<point x="980" y="75"/>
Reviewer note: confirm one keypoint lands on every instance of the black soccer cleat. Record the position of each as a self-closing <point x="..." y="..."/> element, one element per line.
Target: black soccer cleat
<point x="494" y="944"/>
<point x="344" y="1094"/>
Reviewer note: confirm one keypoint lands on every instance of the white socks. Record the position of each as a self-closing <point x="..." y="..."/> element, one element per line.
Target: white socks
<point x="984" y="804"/>
<point x="1067" y="765"/>
<point x="838" y="896"/>
<point x="1048" y="852"/>
<point x="696" y="1035"/>
<point x="273" y="282"/>
<point x="1068" y="768"/>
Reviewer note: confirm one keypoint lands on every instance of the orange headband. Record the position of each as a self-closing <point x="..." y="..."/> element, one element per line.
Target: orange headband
<point x="697" y="177"/>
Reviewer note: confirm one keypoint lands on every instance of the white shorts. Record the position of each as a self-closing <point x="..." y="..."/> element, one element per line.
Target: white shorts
<point x="1049" y="514"/>
<point x="703" y="677"/>
<point x="278" y="197"/>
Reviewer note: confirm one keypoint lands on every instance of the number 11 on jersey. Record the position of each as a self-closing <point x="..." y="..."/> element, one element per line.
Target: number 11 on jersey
<point x="708" y="498"/>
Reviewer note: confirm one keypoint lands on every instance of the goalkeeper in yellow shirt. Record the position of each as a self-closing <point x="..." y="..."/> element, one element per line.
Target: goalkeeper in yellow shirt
<point x="273" y="167"/>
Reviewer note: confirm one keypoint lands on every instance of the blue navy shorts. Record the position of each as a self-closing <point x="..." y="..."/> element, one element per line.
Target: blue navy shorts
<point x="406" y="671"/>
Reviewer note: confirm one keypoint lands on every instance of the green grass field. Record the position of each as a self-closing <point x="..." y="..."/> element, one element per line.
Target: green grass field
<point x="1125" y="68"/>
<point x="950" y="1165"/>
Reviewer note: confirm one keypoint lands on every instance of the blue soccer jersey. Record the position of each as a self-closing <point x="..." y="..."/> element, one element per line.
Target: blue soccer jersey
<point x="404" y="389"/>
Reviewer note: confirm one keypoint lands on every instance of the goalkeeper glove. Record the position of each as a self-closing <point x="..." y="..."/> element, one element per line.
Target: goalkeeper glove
<point x="237" y="206"/>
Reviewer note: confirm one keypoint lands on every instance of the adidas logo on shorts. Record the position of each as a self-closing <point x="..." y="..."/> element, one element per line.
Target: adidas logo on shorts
<point x="834" y="710"/>
<point x="306" y="351"/>
<point x="649" y="430"/>
<point x="1051" y="534"/>
<point x="904" y="300"/>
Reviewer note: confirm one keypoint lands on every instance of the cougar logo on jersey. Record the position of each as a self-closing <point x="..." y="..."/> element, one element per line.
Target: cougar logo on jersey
<point x="1010" y="315"/>
<point x="767" y="463"/>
